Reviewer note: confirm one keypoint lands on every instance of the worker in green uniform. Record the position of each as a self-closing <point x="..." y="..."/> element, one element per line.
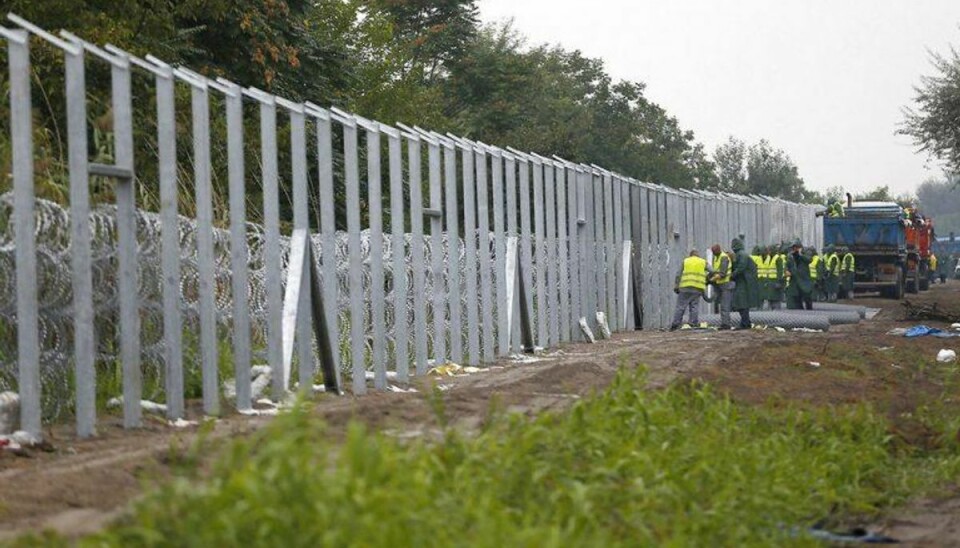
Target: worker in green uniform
<point x="943" y="269"/>
<point x="746" y="294"/>
<point x="848" y="272"/>
<point x="800" y="288"/>
<point x="690" y="284"/>
<point x="831" y="281"/>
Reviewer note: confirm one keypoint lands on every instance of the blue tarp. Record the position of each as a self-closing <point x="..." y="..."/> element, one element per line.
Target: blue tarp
<point x="923" y="331"/>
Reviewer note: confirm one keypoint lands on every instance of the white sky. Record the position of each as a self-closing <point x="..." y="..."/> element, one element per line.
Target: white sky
<point x="822" y="79"/>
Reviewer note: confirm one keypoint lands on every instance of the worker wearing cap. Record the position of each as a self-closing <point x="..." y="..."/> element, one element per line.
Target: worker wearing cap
<point x="848" y="272"/>
<point x="800" y="289"/>
<point x="720" y="278"/>
<point x="690" y="284"/>
<point x="746" y="293"/>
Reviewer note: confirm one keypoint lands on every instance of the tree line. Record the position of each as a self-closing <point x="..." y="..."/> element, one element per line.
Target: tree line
<point x="425" y="62"/>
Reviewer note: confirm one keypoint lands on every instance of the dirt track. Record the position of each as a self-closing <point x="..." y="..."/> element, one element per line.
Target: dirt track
<point x="81" y="485"/>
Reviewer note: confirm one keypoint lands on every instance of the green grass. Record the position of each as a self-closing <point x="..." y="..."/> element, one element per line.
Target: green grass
<point x="681" y="467"/>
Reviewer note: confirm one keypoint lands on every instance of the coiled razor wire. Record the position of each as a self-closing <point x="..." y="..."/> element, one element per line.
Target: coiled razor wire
<point x="55" y="296"/>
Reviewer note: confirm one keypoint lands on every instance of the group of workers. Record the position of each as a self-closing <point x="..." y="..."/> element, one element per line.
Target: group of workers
<point x="771" y="276"/>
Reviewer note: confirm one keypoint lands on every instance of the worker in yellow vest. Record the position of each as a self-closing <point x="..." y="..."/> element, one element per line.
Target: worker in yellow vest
<point x="831" y="283"/>
<point x="759" y="259"/>
<point x="816" y="273"/>
<point x="932" y="270"/>
<point x="690" y="284"/>
<point x="720" y="277"/>
<point x="848" y="272"/>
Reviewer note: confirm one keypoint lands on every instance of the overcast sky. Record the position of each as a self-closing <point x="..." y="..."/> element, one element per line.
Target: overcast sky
<point x="822" y="79"/>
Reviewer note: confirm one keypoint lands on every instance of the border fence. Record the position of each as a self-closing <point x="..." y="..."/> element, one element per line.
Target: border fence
<point x="397" y="248"/>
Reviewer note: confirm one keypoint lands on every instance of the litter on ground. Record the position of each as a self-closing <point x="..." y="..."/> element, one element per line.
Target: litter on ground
<point x="9" y="412"/>
<point x="921" y="331"/>
<point x="946" y="356"/>
<point x="146" y="405"/>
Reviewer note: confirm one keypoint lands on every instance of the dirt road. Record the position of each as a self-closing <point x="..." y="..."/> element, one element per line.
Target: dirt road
<point x="81" y="485"/>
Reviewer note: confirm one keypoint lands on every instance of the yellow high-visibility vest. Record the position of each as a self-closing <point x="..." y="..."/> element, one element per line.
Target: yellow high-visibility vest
<point x="780" y="266"/>
<point x="814" y="263"/>
<point x="694" y="274"/>
<point x="716" y="268"/>
<point x="769" y="270"/>
<point x="833" y="264"/>
<point x="933" y="262"/>
<point x="849" y="263"/>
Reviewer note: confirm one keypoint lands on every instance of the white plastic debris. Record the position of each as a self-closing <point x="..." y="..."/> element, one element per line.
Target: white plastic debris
<point x="25" y="438"/>
<point x="946" y="356"/>
<point x="370" y="375"/>
<point x="261" y="381"/>
<point x="955" y="326"/>
<point x="585" y="329"/>
<point x="604" y="326"/>
<point x="401" y="390"/>
<point x="259" y="412"/>
<point x="528" y="358"/>
<point x="9" y="412"/>
<point x="260" y="376"/>
<point x="813" y="364"/>
<point x="181" y="423"/>
<point x="146" y="405"/>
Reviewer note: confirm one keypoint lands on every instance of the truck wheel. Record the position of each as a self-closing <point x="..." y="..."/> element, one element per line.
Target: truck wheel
<point x="913" y="285"/>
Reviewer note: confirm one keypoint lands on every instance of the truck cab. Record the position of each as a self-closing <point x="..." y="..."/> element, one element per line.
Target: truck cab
<point x="875" y="233"/>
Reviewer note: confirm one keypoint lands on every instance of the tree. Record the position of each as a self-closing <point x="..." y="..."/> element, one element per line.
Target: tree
<point x="934" y="120"/>
<point x="560" y="102"/>
<point x="940" y="199"/>
<point x="758" y="169"/>
<point x="730" y="159"/>
<point x="433" y="33"/>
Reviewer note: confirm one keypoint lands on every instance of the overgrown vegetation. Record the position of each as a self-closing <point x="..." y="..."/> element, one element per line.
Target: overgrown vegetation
<point x="684" y="466"/>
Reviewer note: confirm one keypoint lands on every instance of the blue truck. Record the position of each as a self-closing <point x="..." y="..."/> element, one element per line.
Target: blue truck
<point x="876" y="234"/>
